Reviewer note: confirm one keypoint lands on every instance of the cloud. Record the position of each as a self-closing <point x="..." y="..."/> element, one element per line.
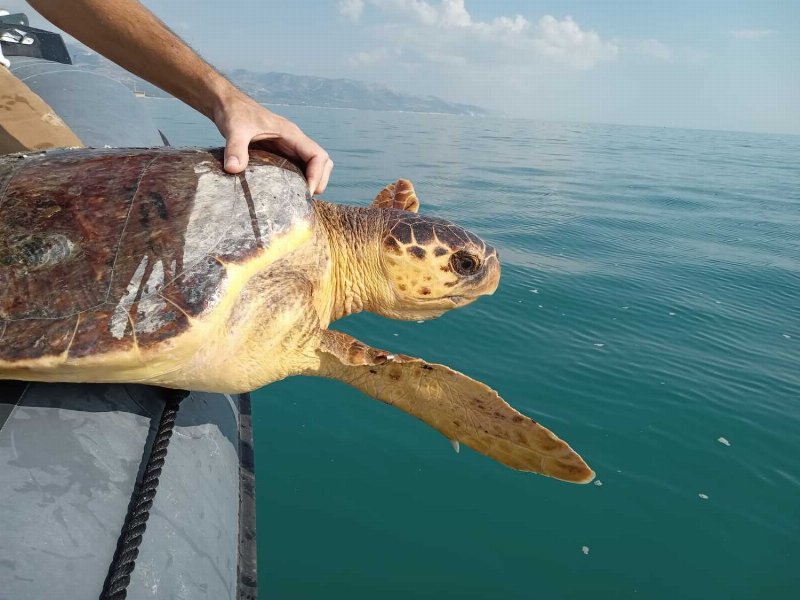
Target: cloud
<point x="752" y="34"/>
<point x="650" y="48"/>
<point x="351" y="9"/>
<point x="368" y="59"/>
<point x="454" y="14"/>
<point x="418" y="9"/>
<point x="566" y="41"/>
<point x="450" y="14"/>
<point x="445" y="31"/>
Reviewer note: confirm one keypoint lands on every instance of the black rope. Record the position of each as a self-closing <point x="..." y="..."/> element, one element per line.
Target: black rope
<point x="130" y="538"/>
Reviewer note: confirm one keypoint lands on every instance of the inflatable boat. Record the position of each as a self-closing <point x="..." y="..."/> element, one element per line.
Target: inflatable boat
<point x="102" y="484"/>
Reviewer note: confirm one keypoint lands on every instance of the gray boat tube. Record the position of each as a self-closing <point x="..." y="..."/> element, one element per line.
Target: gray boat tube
<point x="71" y="454"/>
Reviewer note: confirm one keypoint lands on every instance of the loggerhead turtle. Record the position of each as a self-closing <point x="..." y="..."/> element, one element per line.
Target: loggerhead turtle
<point x="154" y="266"/>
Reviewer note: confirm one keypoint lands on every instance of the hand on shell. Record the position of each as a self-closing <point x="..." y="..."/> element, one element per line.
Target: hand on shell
<point x="241" y="120"/>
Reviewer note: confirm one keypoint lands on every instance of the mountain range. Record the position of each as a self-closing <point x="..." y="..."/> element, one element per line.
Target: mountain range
<point x="285" y="88"/>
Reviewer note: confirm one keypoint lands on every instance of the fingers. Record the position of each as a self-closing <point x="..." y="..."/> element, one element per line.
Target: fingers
<point x="318" y="171"/>
<point x="318" y="164"/>
<point x="243" y="121"/>
<point x="326" y="174"/>
<point x="236" y="153"/>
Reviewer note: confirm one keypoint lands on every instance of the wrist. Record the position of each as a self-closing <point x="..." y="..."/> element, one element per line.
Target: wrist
<point x="217" y="96"/>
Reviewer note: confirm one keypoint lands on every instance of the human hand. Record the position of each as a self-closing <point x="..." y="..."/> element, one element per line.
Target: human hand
<point x="241" y="120"/>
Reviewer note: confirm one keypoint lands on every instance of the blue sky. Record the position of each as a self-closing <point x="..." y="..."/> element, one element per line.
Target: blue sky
<point x="700" y="64"/>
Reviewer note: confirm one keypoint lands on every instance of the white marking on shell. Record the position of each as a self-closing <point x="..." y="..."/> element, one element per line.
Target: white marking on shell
<point x="203" y="167"/>
<point x="119" y="319"/>
<point x="150" y="312"/>
<point x="279" y="197"/>
<point x="156" y="280"/>
<point x="211" y="213"/>
<point x="456" y="446"/>
<point x="220" y="217"/>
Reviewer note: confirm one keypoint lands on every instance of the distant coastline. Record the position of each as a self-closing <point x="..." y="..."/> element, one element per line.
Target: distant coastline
<point x="286" y="89"/>
<point x="318" y="107"/>
<point x="321" y="92"/>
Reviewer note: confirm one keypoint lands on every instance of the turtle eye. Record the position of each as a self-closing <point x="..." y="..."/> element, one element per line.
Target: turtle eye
<point x="464" y="263"/>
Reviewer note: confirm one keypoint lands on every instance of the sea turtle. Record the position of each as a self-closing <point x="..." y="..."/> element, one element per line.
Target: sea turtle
<point x="154" y="266"/>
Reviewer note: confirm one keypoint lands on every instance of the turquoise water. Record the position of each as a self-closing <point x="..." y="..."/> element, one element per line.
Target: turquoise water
<point x="649" y="306"/>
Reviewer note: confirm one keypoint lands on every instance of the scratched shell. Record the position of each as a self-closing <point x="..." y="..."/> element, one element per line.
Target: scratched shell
<point x="101" y="247"/>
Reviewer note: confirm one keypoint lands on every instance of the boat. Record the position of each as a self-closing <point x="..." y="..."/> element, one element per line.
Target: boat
<point x="77" y="460"/>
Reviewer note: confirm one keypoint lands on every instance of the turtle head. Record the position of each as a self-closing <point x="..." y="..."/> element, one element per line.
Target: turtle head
<point x="430" y="265"/>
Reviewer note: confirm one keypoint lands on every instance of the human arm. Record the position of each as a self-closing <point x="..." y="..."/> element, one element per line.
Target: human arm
<point x="127" y="33"/>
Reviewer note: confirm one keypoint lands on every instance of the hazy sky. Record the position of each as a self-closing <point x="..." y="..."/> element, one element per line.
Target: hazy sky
<point x="684" y="63"/>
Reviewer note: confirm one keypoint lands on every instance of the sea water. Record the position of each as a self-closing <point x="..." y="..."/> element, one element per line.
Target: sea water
<point x="648" y="313"/>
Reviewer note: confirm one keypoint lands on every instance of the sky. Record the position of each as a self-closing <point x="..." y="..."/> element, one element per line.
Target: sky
<point x="708" y="64"/>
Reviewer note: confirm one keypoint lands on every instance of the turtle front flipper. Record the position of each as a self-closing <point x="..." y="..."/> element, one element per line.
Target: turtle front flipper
<point x="459" y="407"/>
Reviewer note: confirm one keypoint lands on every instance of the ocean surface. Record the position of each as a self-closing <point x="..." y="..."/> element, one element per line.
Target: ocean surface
<point x="648" y="313"/>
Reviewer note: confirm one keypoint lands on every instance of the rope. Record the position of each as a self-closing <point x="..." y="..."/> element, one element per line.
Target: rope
<point x="130" y="538"/>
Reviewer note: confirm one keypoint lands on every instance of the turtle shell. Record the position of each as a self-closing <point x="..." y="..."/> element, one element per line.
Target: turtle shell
<point x="107" y="250"/>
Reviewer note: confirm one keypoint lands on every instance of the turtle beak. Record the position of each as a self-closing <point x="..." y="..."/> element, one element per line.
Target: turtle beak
<point x="459" y="301"/>
<point x="488" y="278"/>
<point x="492" y="266"/>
